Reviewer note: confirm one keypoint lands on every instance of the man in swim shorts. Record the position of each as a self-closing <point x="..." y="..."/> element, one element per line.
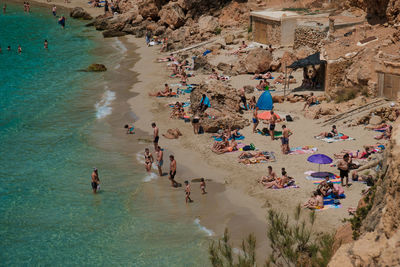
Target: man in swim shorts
<point x="272" y="122"/>
<point x="95" y="180"/>
<point x="155" y="135"/>
<point x="344" y="169"/>
<point x="160" y="160"/>
<point x="285" y="139"/>
<point x="172" y="171"/>
<point x="255" y="119"/>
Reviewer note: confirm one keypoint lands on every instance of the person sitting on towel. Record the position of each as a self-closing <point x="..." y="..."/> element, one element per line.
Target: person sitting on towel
<point x="311" y="100"/>
<point x="167" y="92"/>
<point x="337" y="190"/>
<point x="330" y="134"/>
<point x="324" y="186"/>
<point x="316" y="201"/>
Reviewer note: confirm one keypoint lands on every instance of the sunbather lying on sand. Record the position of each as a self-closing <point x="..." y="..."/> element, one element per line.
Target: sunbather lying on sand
<point x="316" y="201"/>
<point x="172" y="133"/>
<point x="368" y="150"/>
<point x="167" y="92"/>
<point x="279" y="79"/>
<point x="252" y="158"/>
<point x="262" y="76"/>
<point x="224" y="146"/>
<point x="166" y="59"/>
<point x="178" y="111"/>
<point x="387" y="134"/>
<point x="355" y="176"/>
<point x="241" y="48"/>
<point x="280" y="182"/>
<point x="377" y="127"/>
<point x="332" y="133"/>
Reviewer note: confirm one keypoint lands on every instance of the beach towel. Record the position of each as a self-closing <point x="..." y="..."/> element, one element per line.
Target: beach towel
<point x="219" y="139"/>
<point x="326" y="207"/>
<point x="173" y="94"/>
<point x="206" y="52"/>
<point x="303" y="150"/>
<point x="340" y="137"/>
<point x="252" y="160"/>
<point x="334" y="181"/>
<point x="185" y="104"/>
<point x="286" y="187"/>
<point x="381" y="129"/>
<point x="277" y="133"/>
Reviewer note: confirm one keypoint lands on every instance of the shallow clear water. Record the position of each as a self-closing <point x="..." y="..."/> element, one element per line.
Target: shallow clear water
<point x="48" y="114"/>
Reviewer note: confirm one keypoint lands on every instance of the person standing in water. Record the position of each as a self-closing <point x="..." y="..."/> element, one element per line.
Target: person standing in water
<point x="155" y="135"/>
<point x="172" y="171"/>
<point x="46" y="44"/>
<point x="95" y="181"/>
<point x="148" y="159"/>
<point x="4" y="8"/>
<point x="8" y="48"/>
<point x="61" y="21"/>
<point x="203" y="186"/>
<point x="54" y="10"/>
<point x="187" y="192"/>
<point x="19" y="49"/>
<point x="160" y="160"/>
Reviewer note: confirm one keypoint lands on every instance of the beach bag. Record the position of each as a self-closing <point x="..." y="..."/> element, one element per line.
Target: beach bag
<point x="265" y="131"/>
<point x="289" y="118"/>
<point x="248" y="148"/>
<point x="344" y="137"/>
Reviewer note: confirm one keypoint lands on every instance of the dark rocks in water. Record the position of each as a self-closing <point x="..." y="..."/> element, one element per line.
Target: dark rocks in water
<point x="113" y="33"/>
<point x="96" y="68"/>
<point x="80" y="13"/>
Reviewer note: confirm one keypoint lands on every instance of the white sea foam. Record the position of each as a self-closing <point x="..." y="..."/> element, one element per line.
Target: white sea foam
<point x="103" y="107"/>
<point x="117" y="66"/>
<point x="120" y="46"/>
<point x="203" y="228"/>
<point x="150" y="176"/>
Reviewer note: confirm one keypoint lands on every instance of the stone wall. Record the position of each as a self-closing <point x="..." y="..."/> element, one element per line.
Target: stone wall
<point x="309" y="37"/>
<point x="266" y="31"/>
<point x="335" y="71"/>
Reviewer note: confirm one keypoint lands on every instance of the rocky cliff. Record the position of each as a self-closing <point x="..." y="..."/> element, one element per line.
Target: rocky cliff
<point x="378" y="235"/>
<point x="379" y="9"/>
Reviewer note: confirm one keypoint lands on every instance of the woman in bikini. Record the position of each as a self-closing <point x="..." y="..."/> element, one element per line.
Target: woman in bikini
<point x="148" y="159"/>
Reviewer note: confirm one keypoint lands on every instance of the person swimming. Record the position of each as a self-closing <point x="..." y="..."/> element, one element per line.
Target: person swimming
<point x="46" y="44"/>
<point x="19" y="49"/>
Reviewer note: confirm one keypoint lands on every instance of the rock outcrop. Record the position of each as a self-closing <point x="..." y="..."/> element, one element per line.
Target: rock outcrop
<point x="96" y="68"/>
<point x="172" y="15"/>
<point x="224" y="110"/>
<point x="80" y="13"/>
<point x="258" y="60"/>
<point x="379" y="9"/>
<point x="378" y="242"/>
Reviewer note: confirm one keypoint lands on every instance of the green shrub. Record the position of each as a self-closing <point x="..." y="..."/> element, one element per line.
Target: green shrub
<point x="345" y="95"/>
<point x="292" y="244"/>
<point x="218" y="31"/>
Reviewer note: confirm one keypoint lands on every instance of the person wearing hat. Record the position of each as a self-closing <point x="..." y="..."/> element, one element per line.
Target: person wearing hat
<point x="95" y="180"/>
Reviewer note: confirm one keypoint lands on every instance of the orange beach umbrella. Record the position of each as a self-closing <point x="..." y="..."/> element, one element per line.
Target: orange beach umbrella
<point x="266" y="115"/>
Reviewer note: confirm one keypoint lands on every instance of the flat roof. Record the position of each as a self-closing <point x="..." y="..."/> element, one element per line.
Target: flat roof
<point x="274" y="14"/>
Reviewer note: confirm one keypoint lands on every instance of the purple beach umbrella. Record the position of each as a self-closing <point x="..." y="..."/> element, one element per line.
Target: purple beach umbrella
<point x="319" y="159"/>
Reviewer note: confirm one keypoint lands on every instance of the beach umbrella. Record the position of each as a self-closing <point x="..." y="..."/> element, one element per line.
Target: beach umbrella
<point x="266" y="115"/>
<point x="319" y="159"/>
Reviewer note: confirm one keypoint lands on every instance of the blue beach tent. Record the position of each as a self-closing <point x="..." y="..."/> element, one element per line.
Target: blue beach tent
<point x="206" y="101"/>
<point x="265" y="101"/>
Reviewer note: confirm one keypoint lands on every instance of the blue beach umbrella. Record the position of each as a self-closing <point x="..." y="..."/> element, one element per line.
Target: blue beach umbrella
<point x="319" y="159"/>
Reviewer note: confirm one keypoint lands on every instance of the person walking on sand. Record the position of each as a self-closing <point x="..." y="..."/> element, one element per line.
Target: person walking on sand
<point x="255" y="119"/>
<point x="203" y="186"/>
<point x="272" y="122"/>
<point x="172" y="171"/>
<point x="148" y="159"/>
<point x="160" y="160"/>
<point x="95" y="181"/>
<point x="344" y="168"/>
<point x="187" y="192"/>
<point x="155" y="135"/>
<point x="285" y="139"/>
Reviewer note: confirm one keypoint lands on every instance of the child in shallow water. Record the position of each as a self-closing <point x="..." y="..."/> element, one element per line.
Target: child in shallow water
<point x="203" y="186"/>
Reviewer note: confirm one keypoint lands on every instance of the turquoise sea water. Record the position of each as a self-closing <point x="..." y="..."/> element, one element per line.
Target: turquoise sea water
<point x="48" y="114"/>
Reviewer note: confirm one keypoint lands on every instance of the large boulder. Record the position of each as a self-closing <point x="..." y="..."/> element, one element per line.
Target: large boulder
<point x="115" y="23"/>
<point x="208" y="24"/>
<point x="172" y="15"/>
<point x="287" y="59"/>
<point x="222" y="96"/>
<point x="257" y="60"/>
<point x="80" y="13"/>
<point x="211" y="123"/>
<point x="229" y="38"/>
<point x="148" y="9"/>
<point x="113" y="33"/>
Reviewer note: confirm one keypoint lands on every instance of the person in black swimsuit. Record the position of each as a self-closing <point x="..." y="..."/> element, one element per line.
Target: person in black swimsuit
<point x="155" y="135"/>
<point x="196" y="123"/>
<point x="330" y="134"/>
<point x="95" y="181"/>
